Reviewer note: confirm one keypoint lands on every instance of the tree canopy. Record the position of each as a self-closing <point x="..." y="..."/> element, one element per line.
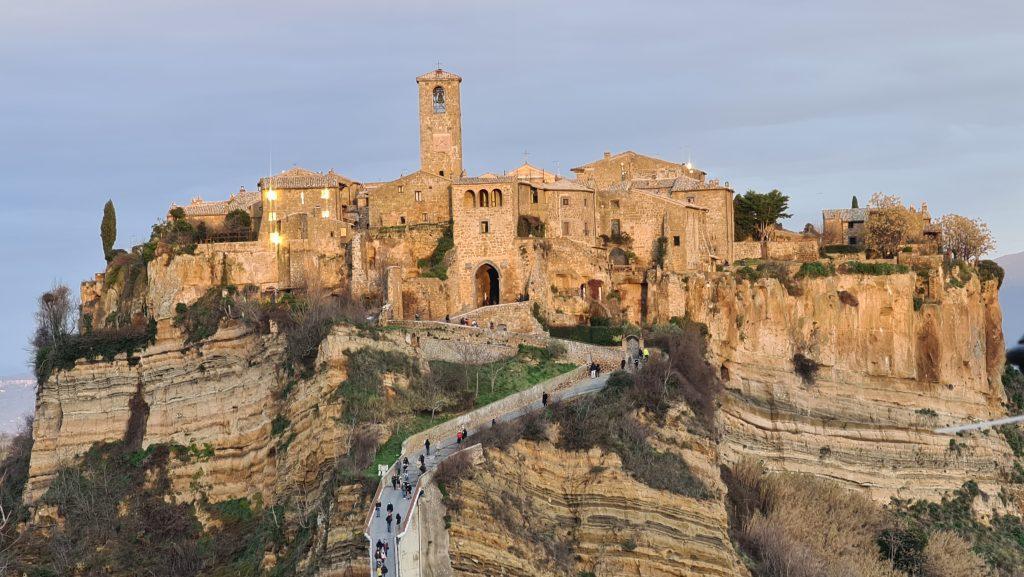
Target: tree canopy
<point x="108" y="229"/>
<point x="890" y="224"/>
<point x="966" y="238"/>
<point x="757" y="214"/>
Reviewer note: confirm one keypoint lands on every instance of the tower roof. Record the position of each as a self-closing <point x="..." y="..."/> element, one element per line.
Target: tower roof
<point x="439" y="75"/>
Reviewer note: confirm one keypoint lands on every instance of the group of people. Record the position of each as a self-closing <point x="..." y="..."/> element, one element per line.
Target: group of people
<point x="595" y="370"/>
<point x="637" y="360"/>
<point x="380" y="555"/>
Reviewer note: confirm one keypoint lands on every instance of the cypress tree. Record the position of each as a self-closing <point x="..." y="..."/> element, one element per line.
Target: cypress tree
<point x="108" y="229"/>
<point x="854" y="203"/>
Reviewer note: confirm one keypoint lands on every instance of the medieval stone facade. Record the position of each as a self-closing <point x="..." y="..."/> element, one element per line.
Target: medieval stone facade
<point x="525" y="234"/>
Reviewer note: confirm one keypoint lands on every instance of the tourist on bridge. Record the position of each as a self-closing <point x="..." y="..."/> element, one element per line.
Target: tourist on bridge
<point x="377" y="508"/>
<point x="394" y="482"/>
<point x="421" y="459"/>
<point x="423" y="468"/>
<point x="458" y="438"/>
<point x="426" y="444"/>
<point x="388" y="519"/>
<point x="398" y="520"/>
<point x="544" y="399"/>
<point x="391" y="509"/>
<point x="465" y="433"/>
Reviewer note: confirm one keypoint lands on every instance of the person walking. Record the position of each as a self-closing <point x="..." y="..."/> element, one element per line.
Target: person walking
<point x="391" y="509"/>
<point x="544" y="399"/>
<point x="458" y="438"/>
<point x="394" y="482"/>
<point x="398" y="520"/>
<point x="623" y="365"/>
<point x="388" y="519"/>
<point x="647" y="354"/>
<point x="377" y="508"/>
<point x="422" y="459"/>
<point x="447" y="318"/>
<point x="426" y="444"/>
<point x="465" y="433"/>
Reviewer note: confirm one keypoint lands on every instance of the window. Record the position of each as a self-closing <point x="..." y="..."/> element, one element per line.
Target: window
<point x="271" y="216"/>
<point x="615" y="204"/>
<point x="675" y="241"/>
<point x="419" y="196"/>
<point x="616" y="227"/>
<point x="485" y="227"/>
<point x="469" y="200"/>
<point x="533" y="196"/>
<point x="849" y="225"/>
<point x="401" y="189"/>
<point x="441" y="173"/>
<point x="565" y="229"/>
<point x="565" y="201"/>
<point x="691" y="199"/>
<point x="401" y="220"/>
<point x="325" y="194"/>
<point x="302" y="197"/>
<point x="584" y="201"/>
<point x="439" y="104"/>
<point x="485" y="199"/>
<point x="425" y="217"/>
<point x="853" y="240"/>
<point x="496" y="197"/>
<point x="586" y="229"/>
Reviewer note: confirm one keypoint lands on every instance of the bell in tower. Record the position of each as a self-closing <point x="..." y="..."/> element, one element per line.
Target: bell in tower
<point x="440" y="124"/>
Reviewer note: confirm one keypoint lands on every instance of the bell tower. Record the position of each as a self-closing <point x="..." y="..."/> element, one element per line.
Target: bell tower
<point x="440" y="123"/>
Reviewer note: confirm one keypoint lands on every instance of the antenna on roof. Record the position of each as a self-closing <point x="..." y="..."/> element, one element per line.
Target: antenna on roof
<point x="558" y="173"/>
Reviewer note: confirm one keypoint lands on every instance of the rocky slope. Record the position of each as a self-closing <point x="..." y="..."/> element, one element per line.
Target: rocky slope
<point x="534" y="509"/>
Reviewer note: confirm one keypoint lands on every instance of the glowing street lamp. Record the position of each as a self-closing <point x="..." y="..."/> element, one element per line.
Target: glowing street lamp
<point x="275" y="238"/>
<point x="271" y="194"/>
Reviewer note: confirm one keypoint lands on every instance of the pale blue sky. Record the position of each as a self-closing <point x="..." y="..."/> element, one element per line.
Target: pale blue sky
<point x="153" y="102"/>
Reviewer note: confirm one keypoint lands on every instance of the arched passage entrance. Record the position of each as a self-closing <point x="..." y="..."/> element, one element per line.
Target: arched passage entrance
<point x="487" y="288"/>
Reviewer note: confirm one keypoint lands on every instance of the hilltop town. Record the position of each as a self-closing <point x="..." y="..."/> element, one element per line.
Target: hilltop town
<point x="630" y="369"/>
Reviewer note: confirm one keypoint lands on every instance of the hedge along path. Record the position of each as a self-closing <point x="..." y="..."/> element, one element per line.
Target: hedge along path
<point x="443" y="445"/>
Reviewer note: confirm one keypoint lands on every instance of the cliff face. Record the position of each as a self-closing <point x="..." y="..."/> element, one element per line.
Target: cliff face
<point x="534" y="509"/>
<point x="888" y="375"/>
<point x="243" y="427"/>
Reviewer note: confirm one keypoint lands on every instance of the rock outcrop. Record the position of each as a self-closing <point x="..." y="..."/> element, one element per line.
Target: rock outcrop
<point x="534" y="509"/>
<point x="889" y="371"/>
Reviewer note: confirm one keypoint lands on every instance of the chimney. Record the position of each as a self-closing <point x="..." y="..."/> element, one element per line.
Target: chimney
<point x="607" y="154"/>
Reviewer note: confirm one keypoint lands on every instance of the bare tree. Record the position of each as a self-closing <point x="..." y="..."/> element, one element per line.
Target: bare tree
<point x="890" y="224"/>
<point x="968" y="239"/>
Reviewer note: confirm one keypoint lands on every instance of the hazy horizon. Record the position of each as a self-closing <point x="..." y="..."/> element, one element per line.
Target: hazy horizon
<point x="153" y="103"/>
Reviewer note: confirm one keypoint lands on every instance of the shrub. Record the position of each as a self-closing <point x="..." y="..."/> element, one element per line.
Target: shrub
<point x="949" y="555"/>
<point x="528" y="226"/>
<point x="816" y="269"/>
<point x="433" y="265"/>
<point x="104" y="343"/>
<point x="873" y="268"/>
<point x="659" y="251"/>
<point x="201" y="319"/>
<point x="918" y="303"/>
<point x="990" y="270"/>
<point x="841" y="249"/>
<point x="771" y="269"/>
<point x="698" y="382"/>
<point x="806" y="367"/>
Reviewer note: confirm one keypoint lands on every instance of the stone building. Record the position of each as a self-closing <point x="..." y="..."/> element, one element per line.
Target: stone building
<point x="846" y="226"/>
<point x="528" y="233"/>
<point x="213" y="213"/>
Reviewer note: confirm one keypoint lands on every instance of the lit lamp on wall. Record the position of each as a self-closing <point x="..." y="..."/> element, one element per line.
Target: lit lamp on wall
<point x="325" y="194"/>
<point x="275" y="238"/>
<point x="271" y="194"/>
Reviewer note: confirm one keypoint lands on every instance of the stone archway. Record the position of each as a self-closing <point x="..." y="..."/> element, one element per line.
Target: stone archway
<point x="488" y="290"/>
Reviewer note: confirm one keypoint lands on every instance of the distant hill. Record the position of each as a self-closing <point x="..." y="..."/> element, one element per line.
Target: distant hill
<point x="1011" y="296"/>
<point x="17" y="400"/>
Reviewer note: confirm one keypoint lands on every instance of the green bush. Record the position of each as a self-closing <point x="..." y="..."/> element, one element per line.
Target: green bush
<point x="873" y="268"/>
<point x="104" y="343"/>
<point x="816" y="269"/>
<point x="599" y="335"/>
<point x="528" y="226"/>
<point x="841" y="249"/>
<point x="433" y="266"/>
<point x="201" y="319"/>
<point x="990" y="270"/>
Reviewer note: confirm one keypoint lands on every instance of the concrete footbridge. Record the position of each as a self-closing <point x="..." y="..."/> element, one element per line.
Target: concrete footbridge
<point x="443" y="444"/>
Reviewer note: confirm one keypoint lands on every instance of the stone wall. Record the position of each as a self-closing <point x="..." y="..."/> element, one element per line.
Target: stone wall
<point x="515" y="317"/>
<point x="721" y="227"/>
<point x="801" y="250"/>
<point x="417" y="198"/>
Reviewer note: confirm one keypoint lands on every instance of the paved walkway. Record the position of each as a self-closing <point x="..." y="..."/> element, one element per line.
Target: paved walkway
<point x="439" y="450"/>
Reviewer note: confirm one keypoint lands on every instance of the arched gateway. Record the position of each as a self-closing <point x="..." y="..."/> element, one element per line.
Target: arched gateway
<point x="487" y="287"/>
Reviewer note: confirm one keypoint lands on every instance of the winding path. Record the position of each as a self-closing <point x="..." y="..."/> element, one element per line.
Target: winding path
<point x="377" y="529"/>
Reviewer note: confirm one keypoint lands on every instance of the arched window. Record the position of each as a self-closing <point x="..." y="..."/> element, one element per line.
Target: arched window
<point x="485" y="199"/>
<point x="439" y="105"/>
<point x="496" y="197"/>
<point x="469" y="201"/>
